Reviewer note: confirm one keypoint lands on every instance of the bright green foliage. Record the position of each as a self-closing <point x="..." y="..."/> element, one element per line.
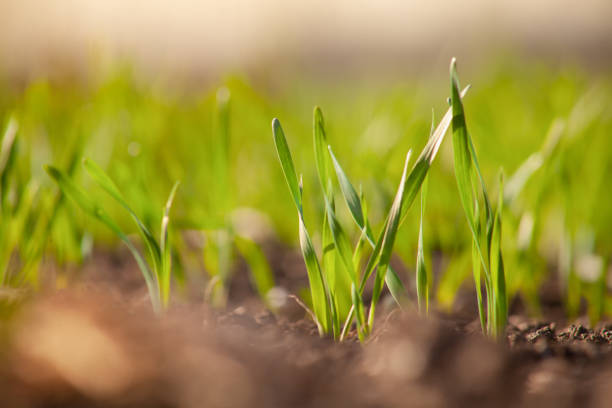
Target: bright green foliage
<point x="319" y="291"/>
<point x="28" y="212"/>
<point x="223" y="240"/>
<point x="556" y="211"/>
<point x="156" y="277"/>
<point x="328" y="297"/>
<point x="422" y="284"/>
<point x="484" y="224"/>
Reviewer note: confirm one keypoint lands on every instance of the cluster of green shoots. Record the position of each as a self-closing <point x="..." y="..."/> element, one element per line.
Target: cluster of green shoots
<point x="156" y="272"/>
<point x="222" y="240"/>
<point x="337" y="293"/>
<point x="28" y="211"/>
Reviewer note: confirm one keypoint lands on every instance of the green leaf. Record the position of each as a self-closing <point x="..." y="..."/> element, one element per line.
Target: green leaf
<point x="320" y="150"/>
<point x="497" y="265"/>
<point x="426" y="158"/>
<point x="463" y="153"/>
<point x="319" y="291"/>
<point x="284" y="156"/>
<point x="350" y="195"/>
<point x="320" y="299"/>
<point x="105" y="182"/>
<point x="166" y="259"/>
<point x="421" y="271"/>
<point x="343" y="249"/>
<point x="341" y="243"/>
<point x="388" y="239"/>
<point x="357" y="208"/>
<point x="93" y="209"/>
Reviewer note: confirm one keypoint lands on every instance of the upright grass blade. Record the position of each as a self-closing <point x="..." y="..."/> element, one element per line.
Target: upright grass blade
<point x="343" y="249"/>
<point x="497" y="265"/>
<point x="485" y="227"/>
<point x="320" y="295"/>
<point x="388" y="240"/>
<point x="334" y="282"/>
<point x="105" y="182"/>
<point x="320" y="299"/>
<point x="166" y="255"/>
<point x="321" y="157"/>
<point x="284" y="156"/>
<point x="93" y="209"/>
<point x="463" y="154"/>
<point x="422" y="285"/>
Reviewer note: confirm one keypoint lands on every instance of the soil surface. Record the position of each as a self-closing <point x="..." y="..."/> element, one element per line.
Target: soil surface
<point x="94" y="345"/>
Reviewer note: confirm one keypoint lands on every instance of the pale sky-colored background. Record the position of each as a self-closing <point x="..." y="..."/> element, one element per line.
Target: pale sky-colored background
<point x="208" y="37"/>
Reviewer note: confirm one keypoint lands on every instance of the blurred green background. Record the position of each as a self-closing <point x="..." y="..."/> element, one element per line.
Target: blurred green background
<point x="148" y="134"/>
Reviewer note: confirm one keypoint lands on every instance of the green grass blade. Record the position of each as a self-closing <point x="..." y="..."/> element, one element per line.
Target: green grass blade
<point x="8" y="143"/>
<point x="497" y="265"/>
<point x="345" y="253"/>
<point x="388" y="240"/>
<point x="476" y="270"/>
<point x="359" y="312"/>
<point x="426" y="158"/>
<point x="320" y="149"/>
<point x="166" y="255"/>
<point x="284" y="156"/>
<point x="320" y="299"/>
<point x="341" y="242"/>
<point x="357" y="208"/>
<point x="350" y="195"/>
<point x="422" y="285"/>
<point x="93" y="209"/>
<point x="105" y="182"/>
<point x="8" y="157"/>
<point x="463" y="153"/>
<point x="337" y="283"/>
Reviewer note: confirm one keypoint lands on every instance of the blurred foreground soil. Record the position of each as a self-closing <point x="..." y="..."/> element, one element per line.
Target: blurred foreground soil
<point x="92" y="347"/>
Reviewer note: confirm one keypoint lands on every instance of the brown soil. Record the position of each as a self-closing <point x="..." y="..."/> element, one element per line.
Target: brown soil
<point x="95" y="346"/>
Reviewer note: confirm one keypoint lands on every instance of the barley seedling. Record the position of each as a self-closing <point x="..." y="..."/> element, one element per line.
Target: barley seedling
<point x="484" y="224"/>
<point x="328" y="296"/>
<point x="157" y="272"/>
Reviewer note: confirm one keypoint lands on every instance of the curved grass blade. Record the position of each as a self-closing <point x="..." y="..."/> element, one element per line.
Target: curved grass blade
<point x="105" y="182"/>
<point x="426" y="158"/>
<point x="93" y="209"/>
<point x="350" y="195"/>
<point x="357" y="208"/>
